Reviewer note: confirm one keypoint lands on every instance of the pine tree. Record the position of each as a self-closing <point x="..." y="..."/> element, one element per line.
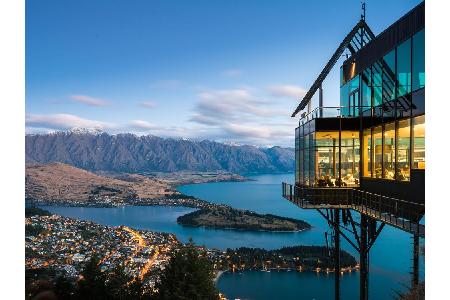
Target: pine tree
<point x="92" y="286"/>
<point x="117" y="284"/>
<point x="189" y="275"/>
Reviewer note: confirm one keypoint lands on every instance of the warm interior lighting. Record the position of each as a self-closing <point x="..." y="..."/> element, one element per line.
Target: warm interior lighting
<point x="353" y="70"/>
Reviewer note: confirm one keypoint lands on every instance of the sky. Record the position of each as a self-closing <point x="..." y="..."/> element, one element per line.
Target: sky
<point x="230" y="71"/>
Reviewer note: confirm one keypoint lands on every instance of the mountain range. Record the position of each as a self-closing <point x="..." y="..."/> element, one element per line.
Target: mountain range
<point x="100" y="151"/>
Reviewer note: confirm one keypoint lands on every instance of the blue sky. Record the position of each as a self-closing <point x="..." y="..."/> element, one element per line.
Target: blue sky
<point x="230" y="71"/>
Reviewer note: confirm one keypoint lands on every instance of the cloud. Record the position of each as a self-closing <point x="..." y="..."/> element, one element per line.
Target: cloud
<point x="241" y="115"/>
<point x="206" y="120"/>
<point x="229" y="105"/>
<point x="147" y="104"/>
<point x="288" y="91"/>
<point x="91" y="101"/>
<point x="143" y="125"/>
<point x="256" y="132"/>
<point x="232" y="73"/>
<point x="64" y="121"/>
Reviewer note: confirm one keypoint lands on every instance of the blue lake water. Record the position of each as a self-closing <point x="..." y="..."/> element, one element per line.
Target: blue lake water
<point x="390" y="259"/>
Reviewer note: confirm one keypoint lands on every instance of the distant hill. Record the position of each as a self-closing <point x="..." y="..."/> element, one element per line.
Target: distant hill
<point x="99" y="151"/>
<point x="58" y="182"/>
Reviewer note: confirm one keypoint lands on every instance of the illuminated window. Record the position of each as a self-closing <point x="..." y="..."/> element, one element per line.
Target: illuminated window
<point x="419" y="142"/>
<point x="349" y="158"/>
<point x="389" y="151"/>
<point x="327" y="144"/>
<point x="377" y="152"/>
<point x="403" y="150"/>
<point x="367" y="144"/>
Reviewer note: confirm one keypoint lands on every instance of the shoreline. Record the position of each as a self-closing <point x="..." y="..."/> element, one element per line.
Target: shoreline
<point x="249" y="230"/>
<point x="269" y="270"/>
<point x="218" y="275"/>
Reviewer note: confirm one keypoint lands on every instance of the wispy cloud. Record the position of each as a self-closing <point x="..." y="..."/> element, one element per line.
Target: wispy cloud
<point x="88" y="100"/>
<point x="242" y="115"/>
<point x="230" y="104"/>
<point x="143" y="125"/>
<point x="64" y="121"/>
<point x="232" y="73"/>
<point x="147" y="104"/>
<point x="288" y="91"/>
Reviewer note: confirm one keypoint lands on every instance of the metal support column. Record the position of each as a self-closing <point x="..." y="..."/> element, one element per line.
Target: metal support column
<point x="321" y="101"/>
<point x="415" y="278"/>
<point x="337" y="256"/>
<point x="363" y="261"/>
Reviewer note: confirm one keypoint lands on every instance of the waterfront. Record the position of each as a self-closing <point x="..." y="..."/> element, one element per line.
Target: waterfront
<point x="390" y="257"/>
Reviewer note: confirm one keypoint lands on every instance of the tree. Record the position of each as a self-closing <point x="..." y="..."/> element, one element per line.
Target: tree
<point x="92" y="285"/>
<point x="117" y="284"/>
<point x="189" y="275"/>
<point x="122" y="286"/>
<point x="64" y="288"/>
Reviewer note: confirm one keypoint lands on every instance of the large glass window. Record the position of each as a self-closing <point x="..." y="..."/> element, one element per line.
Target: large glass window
<point x="306" y="166"/>
<point x="389" y="151"/>
<point x="312" y="166"/>
<point x="377" y="87"/>
<point x="404" y="68"/>
<point x="327" y="144"/>
<point x="366" y="92"/>
<point x="419" y="142"/>
<point x="350" y="97"/>
<point x="350" y="158"/>
<point x="377" y="152"/>
<point x="418" y="58"/>
<point x="367" y="156"/>
<point x="389" y="76"/>
<point x="403" y="150"/>
<point x="301" y="172"/>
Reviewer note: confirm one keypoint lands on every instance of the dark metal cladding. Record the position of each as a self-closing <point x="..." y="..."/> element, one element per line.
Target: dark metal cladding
<point x="395" y="34"/>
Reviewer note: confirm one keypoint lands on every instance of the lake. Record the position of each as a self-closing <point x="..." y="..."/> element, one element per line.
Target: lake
<point x="390" y="259"/>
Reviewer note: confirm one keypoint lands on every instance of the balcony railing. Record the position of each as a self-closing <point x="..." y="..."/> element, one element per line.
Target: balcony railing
<point x="396" y="212"/>
<point x="333" y="112"/>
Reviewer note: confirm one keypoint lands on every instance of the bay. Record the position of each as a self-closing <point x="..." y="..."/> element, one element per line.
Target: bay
<point x="390" y="259"/>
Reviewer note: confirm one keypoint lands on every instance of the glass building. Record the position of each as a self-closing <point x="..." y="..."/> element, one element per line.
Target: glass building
<point x="375" y="139"/>
<point x="367" y="156"/>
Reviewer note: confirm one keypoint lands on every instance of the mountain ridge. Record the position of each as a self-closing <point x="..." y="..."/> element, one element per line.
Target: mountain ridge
<point x="126" y="152"/>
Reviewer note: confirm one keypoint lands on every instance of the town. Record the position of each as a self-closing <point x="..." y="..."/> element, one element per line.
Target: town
<point x="65" y="245"/>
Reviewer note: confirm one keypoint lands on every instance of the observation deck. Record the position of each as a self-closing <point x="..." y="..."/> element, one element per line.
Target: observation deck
<point x="396" y="212"/>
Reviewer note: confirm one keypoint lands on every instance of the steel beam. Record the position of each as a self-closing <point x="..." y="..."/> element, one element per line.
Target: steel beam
<point x="415" y="277"/>
<point x="363" y="261"/>
<point x="337" y="256"/>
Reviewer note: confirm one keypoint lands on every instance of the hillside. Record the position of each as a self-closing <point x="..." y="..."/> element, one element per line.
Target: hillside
<point x="136" y="154"/>
<point x="57" y="182"/>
